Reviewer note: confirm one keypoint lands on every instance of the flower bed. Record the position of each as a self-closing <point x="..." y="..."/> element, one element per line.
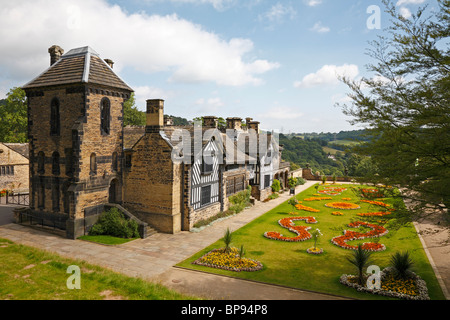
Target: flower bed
<point x="314" y="250"/>
<point x="231" y="261"/>
<point x="413" y="288"/>
<point x="377" y="231"/>
<point x="374" y="214"/>
<point x="306" y="208"/>
<point x="317" y="198"/>
<point x="288" y="223"/>
<point x="342" y="205"/>
<point x="337" y="213"/>
<point x="332" y="191"/>
<point x="378" y="203"/>
<point x="347" y="199"/>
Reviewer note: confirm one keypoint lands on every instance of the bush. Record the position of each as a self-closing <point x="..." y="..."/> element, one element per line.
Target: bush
<point x="114" y="223"/>
<point x="276" y="185"/>
<point x="240" y="200"/>
<point x="300" y="181"/>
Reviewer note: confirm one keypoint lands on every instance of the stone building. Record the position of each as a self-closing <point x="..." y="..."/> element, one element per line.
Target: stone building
<point x="14" y="167"/>
<point x="82" y="158"/>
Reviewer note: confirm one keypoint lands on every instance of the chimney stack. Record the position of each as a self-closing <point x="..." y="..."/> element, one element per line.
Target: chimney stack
<point x="234" y="123"/>
<point x="168" y="121"/>
<point x="155" y="115"/>
<point x="253" y="125"/>
<point x="55" y="53"/>
<point x="109" y="62"/>
<point x="210" y="121"/>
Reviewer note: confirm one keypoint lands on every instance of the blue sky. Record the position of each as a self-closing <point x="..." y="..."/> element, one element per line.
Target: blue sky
<point x="274" y="61"/>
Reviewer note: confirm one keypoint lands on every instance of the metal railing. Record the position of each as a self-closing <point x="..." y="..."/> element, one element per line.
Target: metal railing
<point x="20" y="198"/>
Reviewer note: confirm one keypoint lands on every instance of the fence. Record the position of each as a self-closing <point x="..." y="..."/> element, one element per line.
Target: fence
<point x="21" y="199"/>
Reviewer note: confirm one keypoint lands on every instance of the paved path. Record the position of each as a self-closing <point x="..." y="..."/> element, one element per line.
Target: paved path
<point x="153" y="258"/>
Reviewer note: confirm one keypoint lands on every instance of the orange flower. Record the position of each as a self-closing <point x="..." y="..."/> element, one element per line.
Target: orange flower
<point x="337" y="213"/>
<point x="378" y="203"/>
<point x="302" y="207"/>
<point x="317" y="199"/>
<point x="342" y="205"/>
<point x="374" y="214"/>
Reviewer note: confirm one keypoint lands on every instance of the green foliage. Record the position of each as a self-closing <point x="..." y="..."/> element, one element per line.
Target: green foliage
<point x="276" y="185"/>
<point x="409" y="120"/>
<point x="227" y="238"/>
<point x="13" y="117"/>
<point x="113" y="223"/>
<point x="241" y="252"/>
<point x="240" y="200"/>
<point x="273" y="196"/>
<point x="402" y="263"/>
<point x="131" y="115"/>
<point x="360" y="259"/>
<point x="293" y="202"/>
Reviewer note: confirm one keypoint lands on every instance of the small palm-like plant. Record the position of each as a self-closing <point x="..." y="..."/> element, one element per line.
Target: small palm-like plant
<point x="228" y="236"/>
<point x="402" y="263"/>
<point x="293" y="202"/>
<point x="360" y="259"/>
<point x="241" y="252"/>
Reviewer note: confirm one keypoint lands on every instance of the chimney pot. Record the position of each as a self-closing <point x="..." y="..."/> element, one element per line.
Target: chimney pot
<point x="234" y="123"/>
<point x="211" y="121"/>
<point x="55" y="53"/>
<point x="109" y="62"/>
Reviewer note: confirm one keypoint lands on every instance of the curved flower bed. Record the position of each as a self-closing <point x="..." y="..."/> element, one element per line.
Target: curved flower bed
<point x="416" y="291"/>
<point x="374" y="214"/>
<point x="317" y="198"/>
<point x="378" y="203"/>
<point x="337" y="213"/>
<point x="332" y="191"/>
<point x="342" y="205"/>
<point x="288" y="223"/>
<point x="306" y="208"/>
<point x="377" y="231"/>
<point x="231" y="261"/>
<point x="347" y="199"/>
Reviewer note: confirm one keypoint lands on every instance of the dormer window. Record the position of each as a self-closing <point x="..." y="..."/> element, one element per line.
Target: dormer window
<point x="54" y="117"/>
<point x="207" y="165"/>
<point x="105" y="120"/>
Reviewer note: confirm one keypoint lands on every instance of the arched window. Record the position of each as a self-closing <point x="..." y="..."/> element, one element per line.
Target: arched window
<point x="93" y="163"/>
<point x="105" y="115"/>
<point x="54" y="117"/>
<point x="55" y="163"/>
<point x="41" y="162"/>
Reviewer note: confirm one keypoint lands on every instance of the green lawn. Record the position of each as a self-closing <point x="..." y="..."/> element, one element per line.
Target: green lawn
<point x="31" y="274"/>
<point x="288" y="263"/>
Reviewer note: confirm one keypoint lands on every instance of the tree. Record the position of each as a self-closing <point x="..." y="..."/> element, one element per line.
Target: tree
<point x="131" y="115"/>
<point x="360" y="258"/>
<point x="405" y="107"/>
<point x="13" y="117"/>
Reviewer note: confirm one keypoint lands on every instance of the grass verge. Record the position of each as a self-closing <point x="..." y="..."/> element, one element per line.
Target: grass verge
<point x="28" y="273"/>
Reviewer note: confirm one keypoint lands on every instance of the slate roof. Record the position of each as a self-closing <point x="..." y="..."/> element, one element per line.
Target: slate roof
<point x="20" y="148"/>
<point x="80" y="65"/>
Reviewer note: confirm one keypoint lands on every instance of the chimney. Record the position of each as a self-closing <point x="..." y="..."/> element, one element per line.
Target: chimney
<point x="155" y="115"/>
<point x="234" y="123"/>
<point x="168" y="121"/>
<point x="55" y="53"/>
<point x="109" y="62"/>
<point x="253" y="125"/>
<point x="210" y="121"/>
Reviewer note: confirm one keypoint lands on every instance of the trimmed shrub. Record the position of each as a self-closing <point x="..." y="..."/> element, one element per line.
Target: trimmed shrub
<point x="276" y="185"/>
<point x="114" y="223"/>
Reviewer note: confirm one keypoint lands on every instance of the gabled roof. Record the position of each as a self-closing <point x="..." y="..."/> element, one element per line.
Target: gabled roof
<point x="20" y="148"/>
<point x="80" y="65"/>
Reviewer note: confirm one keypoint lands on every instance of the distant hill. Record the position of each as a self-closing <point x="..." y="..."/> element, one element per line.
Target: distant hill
<point x="352" y="135"/>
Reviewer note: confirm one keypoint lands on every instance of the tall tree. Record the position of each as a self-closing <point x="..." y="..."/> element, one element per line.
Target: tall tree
<point x="13" y="117"/>
<point x="406" y="106"/>
<point x="131" y="115"/>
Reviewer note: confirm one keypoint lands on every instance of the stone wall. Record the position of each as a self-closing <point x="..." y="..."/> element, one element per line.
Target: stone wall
<point x="308" y="175"/>
<point x="14" y="170"/>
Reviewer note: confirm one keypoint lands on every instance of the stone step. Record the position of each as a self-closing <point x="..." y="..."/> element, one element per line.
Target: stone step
<point x="149" y="231"/>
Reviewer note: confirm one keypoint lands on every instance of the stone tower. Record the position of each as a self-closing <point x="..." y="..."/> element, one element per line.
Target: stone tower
<point x="75" y="130"/>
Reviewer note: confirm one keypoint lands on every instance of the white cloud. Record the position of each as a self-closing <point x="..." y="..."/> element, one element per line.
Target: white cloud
<point x="278" y="12"/>
<point x="280" y="113"/>
<point x="318" y="27"/>
<point x="403" y="2"/>
<point x="148" y="43"/>
<point x="142" y="93"/>
<point x="209" y="105"/>
<point x="328" y="75"/>
<point x="217" y="4"/>
<point x="313" y="3"/>
<point x="405" y="12"/>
